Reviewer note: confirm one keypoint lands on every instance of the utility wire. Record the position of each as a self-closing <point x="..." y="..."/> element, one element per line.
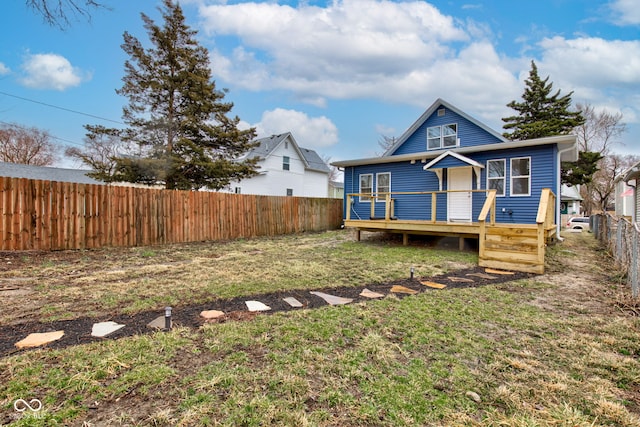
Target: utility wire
<point x="61" y="108"/>
<point x="48" y="133"/>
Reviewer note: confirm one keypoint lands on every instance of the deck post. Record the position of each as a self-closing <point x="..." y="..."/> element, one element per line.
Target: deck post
<point x="358" y="234"/>
<point x="434" y="203"/>
<point x="349" y="201"/>
<point x="405" y="239"/>
<point x="387" y="207"/>
<point x="461" y="243"/>
<point x="372" y="200"/>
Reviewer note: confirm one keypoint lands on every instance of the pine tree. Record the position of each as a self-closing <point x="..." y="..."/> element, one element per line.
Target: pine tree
<point x="541" y="114"/>
<point x="175" y="113"/>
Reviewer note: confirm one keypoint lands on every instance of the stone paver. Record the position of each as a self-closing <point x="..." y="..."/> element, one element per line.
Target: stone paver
<point x="370" y="294"/>
<point x="403" y="290"/>
<point x="332" y="299"/>
<point x="157" y="323"/>
<point x="103" y="329"/>
<point x="257" y="306"/>
<point x="211" y="314"/>
<point x="293" y="302"/>
<point x="461" y="279"/>
<point x="434" y="285"/>
<point x="482" y="275"/>
<point x="38" y="339"/>
<point x="492" y="271"/>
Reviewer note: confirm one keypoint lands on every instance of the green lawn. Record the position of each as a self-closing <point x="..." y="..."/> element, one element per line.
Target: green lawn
<point x="552" y="350"/>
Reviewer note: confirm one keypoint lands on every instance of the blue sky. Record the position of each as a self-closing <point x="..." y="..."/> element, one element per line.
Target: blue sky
<point x="340" y="74"/>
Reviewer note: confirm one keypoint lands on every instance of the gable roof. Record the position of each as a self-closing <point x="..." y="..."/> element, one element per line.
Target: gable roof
<point x="428" y="113"/>
<point x="266" y="146"/>
<point x="462" y="159"/>
<point x="14" y="170"/>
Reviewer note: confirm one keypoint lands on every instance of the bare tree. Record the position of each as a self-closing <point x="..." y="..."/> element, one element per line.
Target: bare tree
<point x="386" y="142"/>
<point x="27" y="146"/>
<point x="102" y="148"/>
<point x="56" y="12"/>
<point x="600" y="129"/>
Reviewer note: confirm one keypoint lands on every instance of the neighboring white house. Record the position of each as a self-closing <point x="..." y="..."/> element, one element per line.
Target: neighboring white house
<point x="631" y="179"/>
<point x="570" y="200"/>
<point x="45" y="173"/>
<point x="624" y="198"/>
<point x="286" y="169"/>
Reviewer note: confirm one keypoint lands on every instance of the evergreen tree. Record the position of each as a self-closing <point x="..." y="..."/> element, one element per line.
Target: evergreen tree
<point x="175" y="113"/>
<point x="541" y="114"/>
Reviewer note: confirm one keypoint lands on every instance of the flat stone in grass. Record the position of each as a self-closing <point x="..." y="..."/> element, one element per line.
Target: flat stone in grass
<point x="482" y="275"/>
<point x="493" y="271"/>
<point x="461" y="279"/>
<point x="370" y="294"/>
<point x="211" y="314"/>
<point x="103" y="329"/>
<point x="257" y="306"/>
<point x="332" y="299"/>
<point x="434" y="285"/>
<point x="293" y="302"/>
<point x="38" y="339"/>
<point x="397" y="289"/>
<point x="157" y="323"/>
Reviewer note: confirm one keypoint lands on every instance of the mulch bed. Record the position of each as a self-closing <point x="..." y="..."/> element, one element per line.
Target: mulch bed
<point x="78" y="331"/>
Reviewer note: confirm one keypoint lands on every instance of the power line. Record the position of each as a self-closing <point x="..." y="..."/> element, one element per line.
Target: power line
<point x="61" y="108"/>
<point x="48" y="133"/>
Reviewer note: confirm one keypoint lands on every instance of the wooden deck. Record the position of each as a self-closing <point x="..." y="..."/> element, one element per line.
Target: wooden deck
<point x="517" y="247"/>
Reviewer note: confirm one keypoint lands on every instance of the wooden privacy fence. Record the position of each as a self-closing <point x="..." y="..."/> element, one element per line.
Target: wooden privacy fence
<point x="49" y="215"/>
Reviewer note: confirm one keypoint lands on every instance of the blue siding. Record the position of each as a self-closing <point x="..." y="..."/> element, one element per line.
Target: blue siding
<point x="469" y="134"/>
<point x="411" y="177"/>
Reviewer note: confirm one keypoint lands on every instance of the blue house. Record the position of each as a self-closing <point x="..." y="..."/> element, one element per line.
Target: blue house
<point x="449" y="174"/>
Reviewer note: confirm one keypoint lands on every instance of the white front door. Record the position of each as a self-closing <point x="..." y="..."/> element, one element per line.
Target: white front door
<point x="459" y="203"/>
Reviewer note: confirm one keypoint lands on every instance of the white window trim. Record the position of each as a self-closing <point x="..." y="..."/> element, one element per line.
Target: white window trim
<point x="378" y="198"/>
<point x="442" y="136"/>
<point x="511" y="177"/>
<point x="504" y="177"/>
<point x="364" y="199"/>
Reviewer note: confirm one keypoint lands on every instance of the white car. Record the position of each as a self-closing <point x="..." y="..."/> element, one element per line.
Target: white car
<point x="579" y="223"/>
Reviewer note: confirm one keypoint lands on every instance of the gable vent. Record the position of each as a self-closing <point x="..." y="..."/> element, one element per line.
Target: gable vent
<point x="441" y="112"/>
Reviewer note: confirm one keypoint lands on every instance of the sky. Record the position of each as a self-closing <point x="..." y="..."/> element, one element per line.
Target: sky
<point x="338" y="75"/>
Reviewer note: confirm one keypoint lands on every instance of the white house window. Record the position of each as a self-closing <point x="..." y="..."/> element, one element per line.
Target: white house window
<point x="521" y="176"/>
<point x="383" y="184"/>
<point x="285" y="163"/>
<point x="237" y="190"/>
<point x="496" y="176"/>
<point x="444" y="136"/>
<point x="366" y="186"/>
<point x="289" y="191"/>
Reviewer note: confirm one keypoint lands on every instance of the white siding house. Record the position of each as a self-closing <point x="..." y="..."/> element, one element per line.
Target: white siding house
<point x="631" y="178"/>
<point x="285" y="169"/>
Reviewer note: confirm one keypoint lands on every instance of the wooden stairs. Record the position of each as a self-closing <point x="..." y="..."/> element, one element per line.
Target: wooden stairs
<point x="518" y="247"/>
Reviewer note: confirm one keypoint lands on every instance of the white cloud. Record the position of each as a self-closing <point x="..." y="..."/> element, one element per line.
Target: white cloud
<point x="626" y="12"/>
<point x="50" y="71"/>
<point x="309" y="132"/>
<point x="343" y="50"/>
<point x="4" y="69"/>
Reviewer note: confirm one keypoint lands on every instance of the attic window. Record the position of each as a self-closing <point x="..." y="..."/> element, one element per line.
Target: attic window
<point x="444" y="136"/>
<point x="441" y="112"/>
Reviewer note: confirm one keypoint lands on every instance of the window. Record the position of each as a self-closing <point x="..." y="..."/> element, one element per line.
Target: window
<point x="444" y="136"/>
<point x="521" y="176"/>
<point x="496" y="176"/>
<point x="383" y="185"/>
<point x="366" y="186"/>
<point x="237" y="190"/>
<point x="289" y="191"/>
<point x="285" y="163"/>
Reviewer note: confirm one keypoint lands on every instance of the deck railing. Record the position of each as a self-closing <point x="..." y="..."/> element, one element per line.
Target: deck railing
<point x="389" y="201"/>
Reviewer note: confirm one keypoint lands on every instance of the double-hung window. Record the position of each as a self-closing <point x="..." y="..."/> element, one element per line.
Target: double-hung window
<point x="285" y="163"/>
<point x="383" y="185"/>
<point x="521" y="176"/>
<point x="444" y="136"/>
<point x="366" y="187"/>
<point x="496" y="176"/>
